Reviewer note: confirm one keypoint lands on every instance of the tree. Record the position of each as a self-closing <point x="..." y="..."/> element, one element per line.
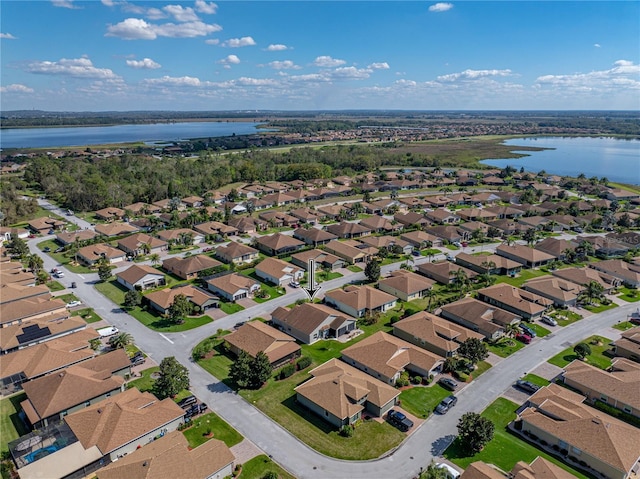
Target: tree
<point x="261" y="370"/>
<point x="474" y="431"/>
<point x="120" y="340"/>
<point x="366" y="197"/>
<point x="434" y="472"/>
<point x="530" y="236"/>
<point x="18" y="247"/>
<point x="474" y="350"/>
<point x="132" y="298"/>
<point x="174" y="377"/>
<point x="510" y="330"/>
<point x="582" y="350"/>
<point x="593" y="290"/>
<point x="240" y="370"/>
<point x="179" y="309"/>
<point x="104" y="270"/>
<point x="461" y="278"/>
<point x="251" y="207"/>
<point x="155" y="259"/>
<point x="372" y="271"/>
<point x="35" y="263"/>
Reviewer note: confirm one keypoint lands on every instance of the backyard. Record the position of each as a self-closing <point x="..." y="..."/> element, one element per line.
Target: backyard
<point x="11" y="427"/>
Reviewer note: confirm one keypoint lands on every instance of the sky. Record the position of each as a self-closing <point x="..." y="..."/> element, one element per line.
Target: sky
<point x="117" y="55"/>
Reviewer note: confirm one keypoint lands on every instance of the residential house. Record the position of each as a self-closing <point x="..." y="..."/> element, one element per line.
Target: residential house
<point x="215" y="228"/>
<point x="358" y="301"/>
<point x="314" y="236"/>
<point x="24" y="334"/>
<point x="306" y="215"/>
<point x="190" y="267"/>
<point x="44" y="225"/>
<point x="349" y="251"/>
<point x="488" y="264"/>
<point x="451" y="234"/>
<point x="245" y="225"/>
<point x="442" y="216"/>
<point x="171" y="456"/>
<point x="71" y="237"/>
<point x="525" y="255"/>
<point x="406" y="285"/>
<point x="110" y="214"/>
<point x="508" y="227"/>
<point x="628" y="273"/>
<point x="617" y="387"/>
<point x="476" y="214"/>
<point x="479" y="317"/>
<point x="345" y="229"/>
<point x="279" y="199"/>
<point x="563" y="293"/>
<point x="12" y="272"/>
<point x="278" y="272"/>
<point x="411" y="219"/>
<point x="628" y="346"/>
<point x="53" y="396"/>
<point x="444" y="272"/>
<point x="433" y="333"/>
<point x="311" y="322"/>
<point x="140" y="244"/>
<point x="233" y="287"/>
<point x="7" y="233"/>
<point x="340" y="394"/>
<point x="388" y="242"/>
<point x="254" y="337"/>
<point x="322" y="259"/>
<point x="380" y="224"/>
<point x="539" y="468"/>
<point x="278" y="244"/>
<point x="556" y="247"/>
<point x="605" y="247"/>
<point x="583" y="276"/>
<point x="163" y="299"/>
<point x="279" y="219"/>
<point x="557" y="416"/>
<point x="237" y="253"/>
<point x="140" y="277"/>
<point x="421" y="239"/>
<point x="193" y="201"/>
<point x="12" y="293"/>
<point x="385" y="357"/>
<point x="91" y="254"/>
<point x="518" y="301"/>
<point x="111" y="230"/>
<point x="140" y="208"/>
<point x="505" y="212"/>
<point x="439" y="201"/>
<point x="44" y="307"/>
<point x="618" y="194"/>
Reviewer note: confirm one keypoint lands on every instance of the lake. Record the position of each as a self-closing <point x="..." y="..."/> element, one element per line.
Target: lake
<point x="104" y="135"/>
<point x="616" y="159"/>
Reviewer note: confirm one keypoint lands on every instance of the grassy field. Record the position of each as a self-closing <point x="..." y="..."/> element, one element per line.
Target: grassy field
<point x="596" y="358"/>
<point x="259" y="466"/>
<point x="61" y="258"/>
<point x="421" y="401"/>
<point x="565" y="318"/>
<point x="505" y="449"/>
<point x="145" y="383"/>
<point x="55" y="286"/>
<point x="88" y="314"/>
<point x="540" y="331"/>
<point x="505" y="347"/>
<point x="196" y="433"/>
<point x="524" y="276"/>
<point x="230" y="308"/>
<point x="11" y="427"/>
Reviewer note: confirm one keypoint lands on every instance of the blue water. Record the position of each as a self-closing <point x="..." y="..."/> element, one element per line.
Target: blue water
<point x="103" y="135"/>
<point x="616" y="159"/>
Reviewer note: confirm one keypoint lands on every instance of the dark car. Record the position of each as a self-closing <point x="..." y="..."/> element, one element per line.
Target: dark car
<point x="46" y="249"/>
<point x="203" y="407"/>
<point x="399" y="420"/>
<point x="137" y="361"/>
<point x="448" y="383"/>
<point x="446" y="404"/>
<point x="74" y="285"/>
<point x="527" y="330"/>
<point x="527" y="386"/>
<point x="188" y="402"/>
<point x="523" y="338"/>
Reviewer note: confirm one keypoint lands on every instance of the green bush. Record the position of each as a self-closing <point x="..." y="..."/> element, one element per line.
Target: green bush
<point x="464" y="377"/>
<point x="403" y="380"/>
<point x="303" y="362"/>
<point x="287" y="371"/>
<point x="416" y="379"/>
<point x="346" y="430"/>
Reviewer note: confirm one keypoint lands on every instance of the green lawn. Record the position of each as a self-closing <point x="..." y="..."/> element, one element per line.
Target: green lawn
<point x="67" y="298"/>
<point x="430" y="252"/>
<point x="601" y="308"/>
<point x="630" y="295"/>
<point x="451" y="247"/>
<point x="230" y="308"/>
<point x="145" y="383"/>
<point x="55" y="286"/>
<point x="61" y="258"/>
<point x="196" y="433"/>
<point x="596" y="358"/>
<point x="505" y="347"/>
<point x="624" y="326"/>
<point x="354" y="269"/>
<point x="535" y="379"/>
<point x="565" y="318"/>
<point x="328" y="276"/>
<point x="258" y="467"/>
<point x="217" y="365"/>
<point x="524" y="276"/>
<point x="88" y="314"/>
<point x="505" y="449"/>
<point x="421" y="401"/>
<point x="11" y="427"/>
<point x="481" y="367"/>
<point x="540" y="331"/>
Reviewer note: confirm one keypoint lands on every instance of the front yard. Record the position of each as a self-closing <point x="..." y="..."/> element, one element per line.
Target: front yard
<point x="88" y="314"/>
<point x="596" y="358"/>
<point x="565" y="317"/>
<point x="196" y="434"/>
<point x="421" y="401"/>
<point x="505" y="347"/>
<point x="630" y="295"/>
<point x="259" y="466"/>
<point x="522" y="277"/>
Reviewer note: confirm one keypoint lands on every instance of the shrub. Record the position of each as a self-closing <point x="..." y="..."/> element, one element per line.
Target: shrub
<point x="287" y="371"/>
<point x="555" y="447"/>
<point x="427" y="380"/>
<point x="416" y="379"/>
<point x="346" y="430"/>
<point x="462" y="376"/>
<point x="270" y="475"/>
<point x="303" y="362"/>
<point x="403" y="380"/>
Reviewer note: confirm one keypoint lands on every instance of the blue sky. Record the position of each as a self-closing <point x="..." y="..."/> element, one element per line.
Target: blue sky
<point x="306" y="55"/>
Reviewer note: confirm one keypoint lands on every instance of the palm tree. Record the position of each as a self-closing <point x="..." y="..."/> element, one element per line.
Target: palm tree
<point x="155" y="259"/>
<point x="35" y="263"/>
<point x="486" y="276"/>
<point x="121" y="340"/>
<point x="510" y="330"/>
<point x="461" y="279"/>
<point x="593" y="290"/>
<point x="430" y="293"/>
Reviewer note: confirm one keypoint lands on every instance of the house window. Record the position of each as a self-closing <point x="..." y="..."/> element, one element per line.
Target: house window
<point x="603" y="398"/>
<point x="562" y="444"/>
<point x="326" y="413"/>
<point x="576" y="451"/>
<point x="627" y="409"/>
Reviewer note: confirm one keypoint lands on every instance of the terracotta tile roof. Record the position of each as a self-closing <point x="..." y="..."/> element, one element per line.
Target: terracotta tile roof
<point x="540" y="468"/>
<point x="418" y="237"/>
<point x="361" y="297"/>
<point x="313" y="234"/>
<point x="170" y="457"/>
<point x="479" y="313"/>
<point x="136" y="241"/>
<point x="345" y="250"/>
<point x="444" y="269"/>
<point x="481" y="470"/>
<point x="276" y="268"/>
<point x="379" y="223"/>
<point x="122" y="418"/>
<point x="215" y="227"/>
<point x="318" y="255"/>
<point x="384" y="241"/>
<point x="584" y="276"/>
<point x="115" y="229"/>
<point x="71" y="237"/>
<point x="255" y="336"/>
<point x="483" y="262"/>
<point x="279" y="241"/>
<point x="554" y="288"/>
<point x="95" y="252"/>
<point x="137" y="272"/>
<point x="407" y="282"/>
<point x="336" y="386"/>
<point x="174" y="234"/>
<point x="344" y="228"/>
<point x="619" y="269"/>
<point x="235" y="250"/>
<point x="524" y="252"/>
<point x="110" y="213"/>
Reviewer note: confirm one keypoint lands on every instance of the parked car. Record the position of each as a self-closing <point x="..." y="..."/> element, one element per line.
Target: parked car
<point x="399" y="420"/>
<point x="527" y="386"/>
<point x="188" y="402"/>
<point x="415" y="253"/>
<point x="137" y="354"/>
<point x="137" y="361"/>
<point x="527" y="330"/>
<point x="634" y="318"/>
<point x="73" y="304"/>
<point x="294" y="284"/>
<point x="59" y="250"/>
<point x="523" y="338"/>
<point x="74" y="285"/>
<point x="448" y="383"/>
<point x="446" y="404"/>
<point x="449" y="471"/>
<point x="549" y="320"/>
<point x="46" y="249"/>
<point x="58" y="274"/>
<point x="203" y="407"/>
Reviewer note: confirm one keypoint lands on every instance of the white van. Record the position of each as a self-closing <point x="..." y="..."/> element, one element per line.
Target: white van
<point x="451" y="472"/>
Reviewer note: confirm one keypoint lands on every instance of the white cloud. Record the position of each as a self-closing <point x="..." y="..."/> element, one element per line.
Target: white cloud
<point x="326" y="61"/>
<point x="7" y="36"/>
<point x="473" y="75"/>
<point x="74" y="67"/>
<point x="212" y="41"/>
<point x="379" y="66"/>
<point x="229" y="60"/>
<point x="277" y="47"/>
<point x="440" y="7"/>
<point x="181" y="14"/>
<point x="624" y="74"/>
<point x="64" y="4"/>
<point x="284" y="65"/>
<point x="351" y="73"/>
<point x="239" y="42"/>
<point x="404" y="82"/>
<point x="174" y="81"/>
<point x="16" y="88"/>
<point x="597" y="45"/>
<point x="206" y="8"/>
<point x="244" y="81"/>
<point x="144" y="64"/>
<point x="139" y="29"/>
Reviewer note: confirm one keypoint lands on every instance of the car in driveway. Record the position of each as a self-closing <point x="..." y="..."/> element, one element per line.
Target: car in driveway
<point x="523" y="338"/>
<point x="549" y="320"/>
<point x="137" y="361"/>
<point x="446" y="404"/>
<point x="448" y="383"/>
<point x="527" y="386"/>
<point x="449" y="471"/>
<point x="399" y="420"/>
<point x="187" y="402"/>
<point x="294" y="284"/>
<point x="73" y="304"/>
<point x="527" y="330"/>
